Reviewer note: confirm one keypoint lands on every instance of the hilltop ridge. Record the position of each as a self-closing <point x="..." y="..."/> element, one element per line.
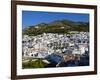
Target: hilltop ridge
<point x="57" y="26"/>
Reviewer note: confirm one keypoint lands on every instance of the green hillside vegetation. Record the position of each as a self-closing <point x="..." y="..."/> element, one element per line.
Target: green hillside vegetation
<point x="34" y="64"/>
<point x="58" y="26"/>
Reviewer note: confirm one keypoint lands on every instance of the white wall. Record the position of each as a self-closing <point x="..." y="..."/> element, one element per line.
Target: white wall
<point x="5" y="31"/>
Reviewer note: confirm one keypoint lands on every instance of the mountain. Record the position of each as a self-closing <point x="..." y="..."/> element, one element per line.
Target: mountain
<point x="57" y="26"/>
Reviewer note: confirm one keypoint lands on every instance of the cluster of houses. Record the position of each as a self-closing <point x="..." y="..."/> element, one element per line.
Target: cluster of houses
<point x="48" y="45"/>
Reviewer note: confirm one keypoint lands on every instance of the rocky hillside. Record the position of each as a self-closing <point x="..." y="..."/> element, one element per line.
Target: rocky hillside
<point x="58" y="26"/>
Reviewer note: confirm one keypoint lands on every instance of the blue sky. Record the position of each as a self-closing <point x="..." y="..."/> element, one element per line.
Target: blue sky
<point x="35" y="17"/>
